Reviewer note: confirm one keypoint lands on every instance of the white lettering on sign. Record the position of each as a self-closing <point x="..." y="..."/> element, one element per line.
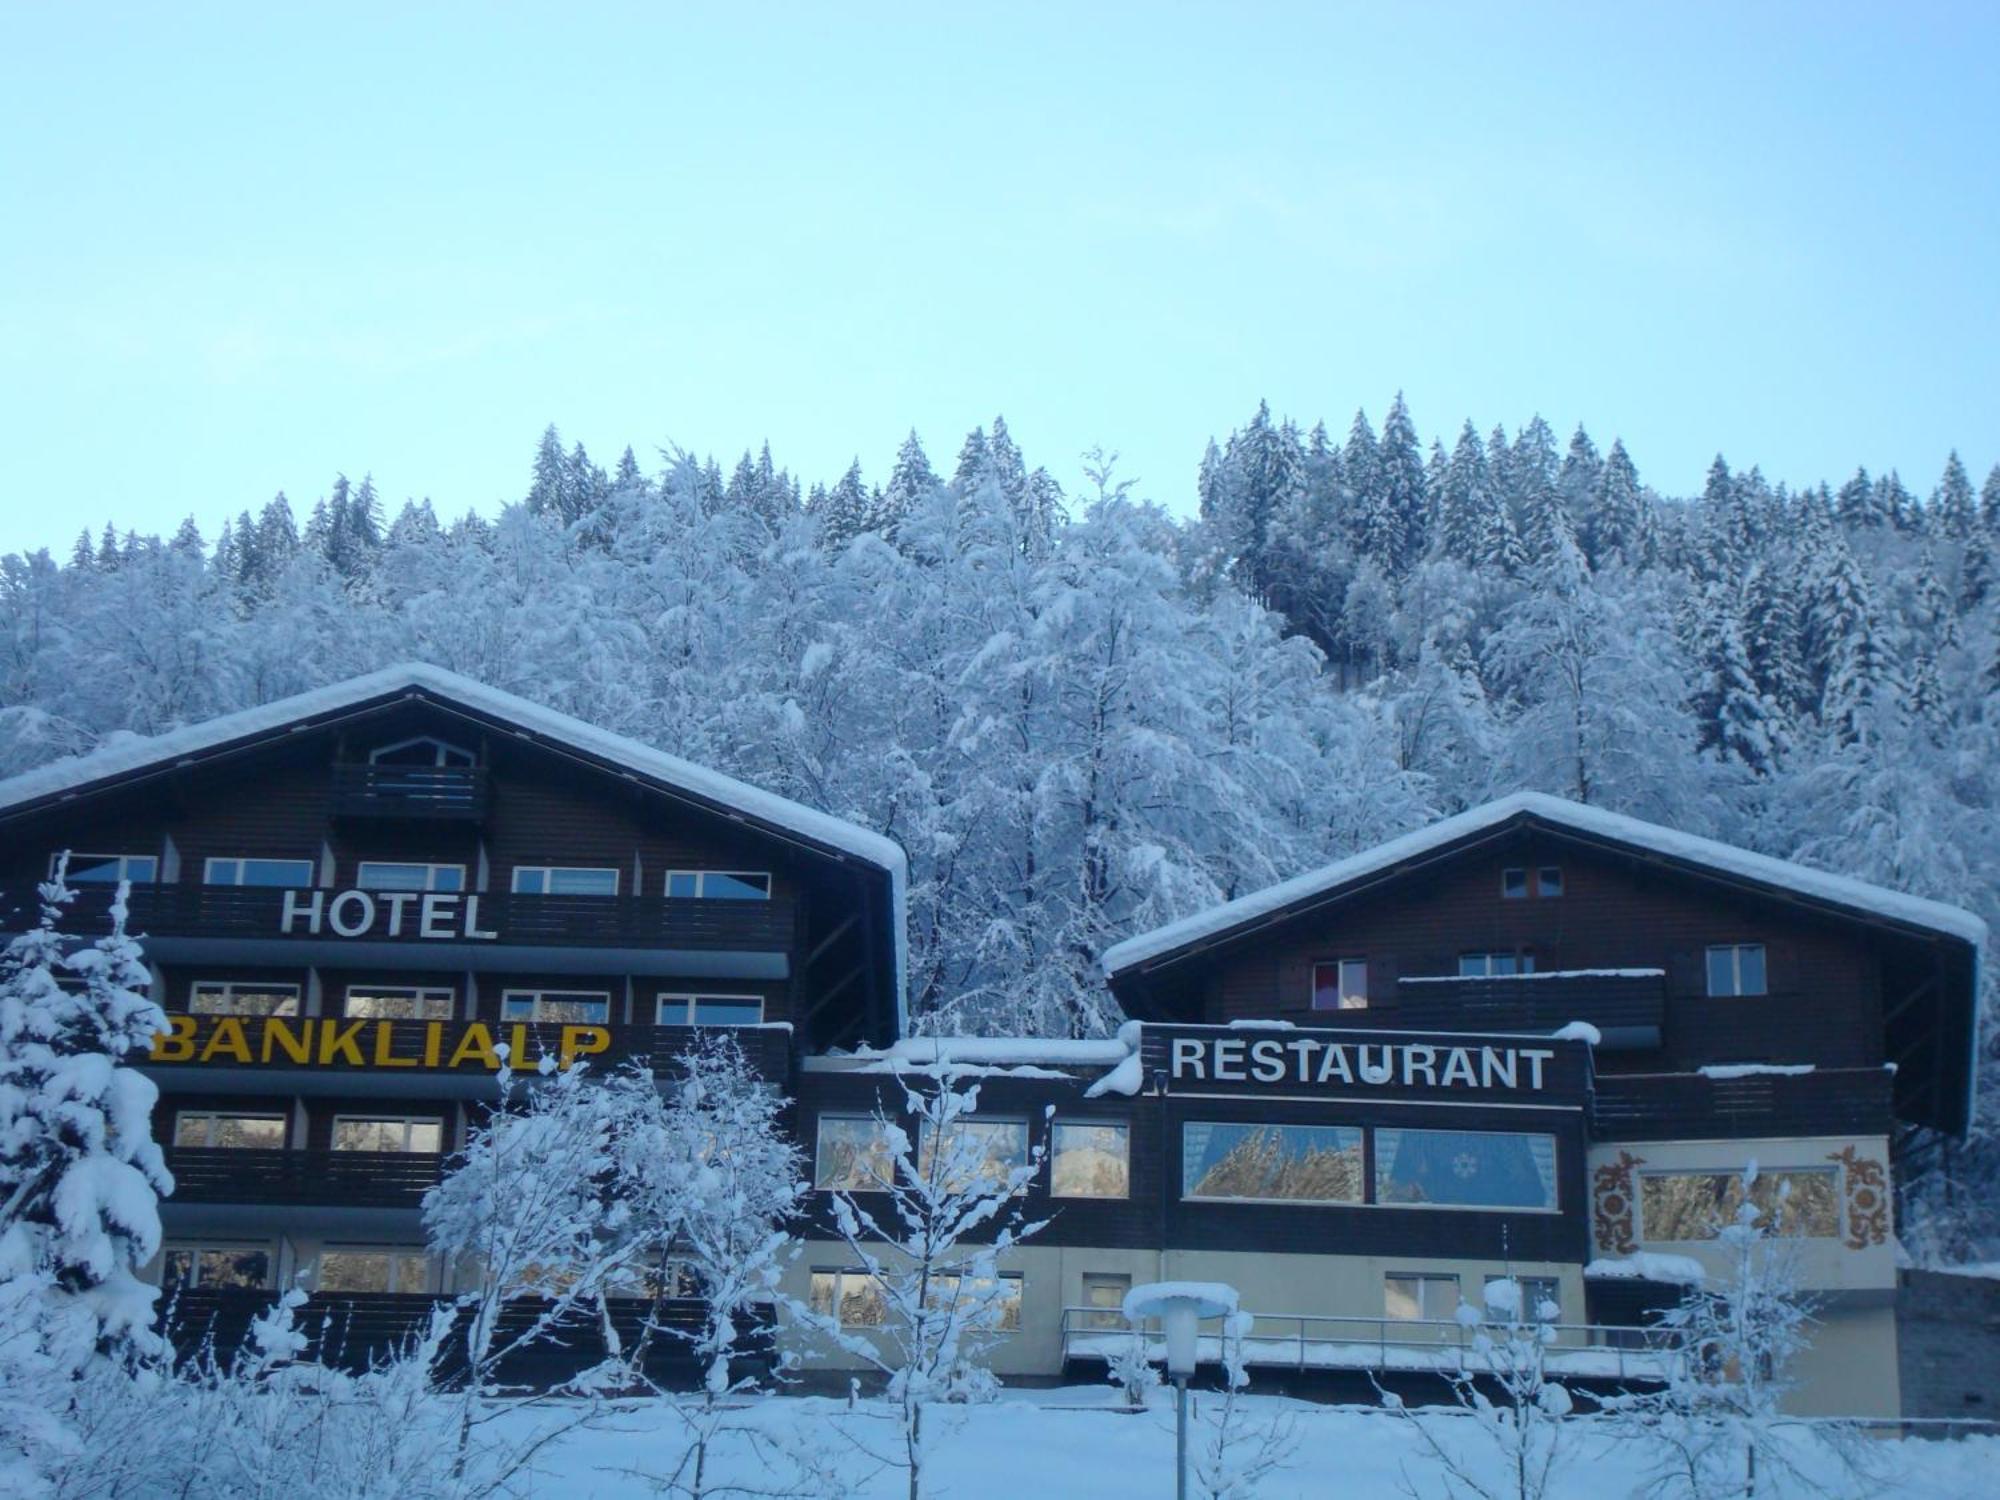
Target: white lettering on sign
<point x="351" y="914"/>
<point x="1311" y="1061"/>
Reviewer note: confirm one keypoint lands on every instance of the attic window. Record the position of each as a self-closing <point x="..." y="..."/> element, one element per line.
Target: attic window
<point x="424" y="750"/>
<point x="1514" y="884"/>
<point x="1549" y="880"/>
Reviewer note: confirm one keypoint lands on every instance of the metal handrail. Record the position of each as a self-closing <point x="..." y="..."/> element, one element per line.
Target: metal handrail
<point x="1644" y="1345"/>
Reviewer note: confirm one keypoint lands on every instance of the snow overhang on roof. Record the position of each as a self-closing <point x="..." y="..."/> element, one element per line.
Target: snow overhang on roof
<point x="132" y="757"/>
<point x="1726" y="861"/>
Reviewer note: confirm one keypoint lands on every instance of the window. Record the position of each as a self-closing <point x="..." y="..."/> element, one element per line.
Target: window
<point x="1535" y="1291"/>
<point x="975" y="1149"/>
<point x="1514" y="885"/>
<point x="1549" y="880"/>
<point x="385" y="875"/>
<point x="1736" y="969"/>
<point x="852" y="1155"/>
<point x="421" y="751"/>
<point x="575" y="1006"/>
<point x="1104" y="1296"/>
<point x="242" y="997"/>
<point x="108" y="869"/>
<point x="565" y="880"/>
<point x="295" y="873"/>
<point x="1465" y="1169"/>
<point x="1419" y="1297"/>
<point x="1494" y="965"/>
<point x="217" y="1266"/>
<point x="854" y="1295"/>
<point x="1092" y="1160"/>
<point x="719" y="885"/>
<point x="217" y="1129"/>
<point x="1698" y="1205"/>
<point x="1341" y="984"/>
<point x="857" y="1298"/>
<point x="709" y="1010"/>
<point x="375" y="1268"/>
<point x="1282" y="1163"/>
<point x="423" y="1134"/>
<point x="399" y="1002"/>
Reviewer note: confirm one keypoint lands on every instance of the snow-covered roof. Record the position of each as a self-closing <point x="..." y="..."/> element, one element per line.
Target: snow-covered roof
<point x="138" y="753"/>
<point x="1723" y="859"/>
<point x="134" y="754"/>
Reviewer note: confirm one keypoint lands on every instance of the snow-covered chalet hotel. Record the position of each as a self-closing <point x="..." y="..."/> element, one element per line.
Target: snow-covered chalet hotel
<point x="1534" y="1039"/>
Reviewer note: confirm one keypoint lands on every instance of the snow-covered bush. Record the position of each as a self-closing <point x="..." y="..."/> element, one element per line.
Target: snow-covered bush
<point x="946" y="1209"/>
<point x="1505" y="1346"/>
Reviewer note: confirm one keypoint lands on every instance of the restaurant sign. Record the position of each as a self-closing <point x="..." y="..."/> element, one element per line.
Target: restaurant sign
<point x="1199" y="1061"/>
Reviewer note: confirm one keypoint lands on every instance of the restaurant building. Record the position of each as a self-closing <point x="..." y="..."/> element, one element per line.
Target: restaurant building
<point x="1534" y="1040"/>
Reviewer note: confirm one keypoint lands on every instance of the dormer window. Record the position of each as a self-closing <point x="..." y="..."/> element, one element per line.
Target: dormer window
<point x="1736" y="969"/>
<point x="1340" y="984"/>
<point x="423" y="750"/>
<point x="1544" y="881"/>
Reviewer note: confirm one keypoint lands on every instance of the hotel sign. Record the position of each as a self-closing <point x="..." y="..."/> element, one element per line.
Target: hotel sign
<point x="440" y="915"/>
<point x="1421" y="1065"/>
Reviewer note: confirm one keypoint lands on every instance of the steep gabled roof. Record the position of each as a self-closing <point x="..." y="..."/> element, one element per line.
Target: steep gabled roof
<point x="1725" y="861"/>
<point x="136" y="757"/>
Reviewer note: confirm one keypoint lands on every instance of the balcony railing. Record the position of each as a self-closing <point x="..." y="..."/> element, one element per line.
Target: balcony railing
<point x="185" y="910"/>
<point x="352" y="1330"/>
<point x="445" y="793"/>
<point x="1669" y="1106"/>
<point x="363" y="1179"/>
<point x="1311" y="1341"/>
<point x="1628" y="1009"/>
<point x="462" y="1048"/>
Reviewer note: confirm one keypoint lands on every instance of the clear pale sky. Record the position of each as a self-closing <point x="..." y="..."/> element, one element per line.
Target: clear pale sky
<point x="245" y="247"/>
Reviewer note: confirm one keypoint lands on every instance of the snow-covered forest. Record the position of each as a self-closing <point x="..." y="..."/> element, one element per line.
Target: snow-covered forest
<point x="1083" y="716"/>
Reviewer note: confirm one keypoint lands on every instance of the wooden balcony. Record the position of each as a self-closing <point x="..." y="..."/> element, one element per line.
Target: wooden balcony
<point x="1628" y="1010"/>
<point x="362" y="1179"/>
<point x="352" y="1330"/>
<point x="449" y="794"/>
<point x="192" y="913"/>
<point x="1693" y="1106"/>
<point x="330" y="1047"/>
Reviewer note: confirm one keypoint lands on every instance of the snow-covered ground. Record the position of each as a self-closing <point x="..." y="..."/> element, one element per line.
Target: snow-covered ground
<point x="1078" y="1442"/>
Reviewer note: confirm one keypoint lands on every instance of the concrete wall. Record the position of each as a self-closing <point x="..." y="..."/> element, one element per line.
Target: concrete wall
<point x="1948" y="1329"/>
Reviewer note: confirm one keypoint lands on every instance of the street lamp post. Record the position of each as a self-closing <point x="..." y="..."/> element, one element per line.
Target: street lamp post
<point x="1180" y="1306"/>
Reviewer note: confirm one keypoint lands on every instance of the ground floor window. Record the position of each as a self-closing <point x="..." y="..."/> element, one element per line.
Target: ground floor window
<point x="1465" y="1168"/>
<point x="856" y="1298"/>
<point x="991" y="1150"/>
<point x="242" y="997"/>
<point x="400" y="1002"/>
<point x="1698" y="1205"/>
<point x="852" y="1156"/>
<point x="1091" y="1159"/>
<point x="216" y="1266"/>
<point x="1420" y="1296"/>
<point x="1537" y="1292"/>
<point x="419" y="1133"/>
<point x="1273" y="1163"/>
<point x="1104" y="1299"/>
<point x="376" y="1268"/>
<point x="205" y="1129"/>
<point x="575" y="1006"/>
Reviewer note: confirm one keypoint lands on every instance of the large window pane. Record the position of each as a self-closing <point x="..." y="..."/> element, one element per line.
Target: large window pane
<point x="1696" y="1205"/>
<point x="355" y="1269"/>
<point x="1091" y="1161"/>
<point x="975" y="1150"/>
<point x="1289" y="1163"/>
<point x="852" y="1155"/>
<point x="1465" y="1168"/>
<point x="216" y="1266"/>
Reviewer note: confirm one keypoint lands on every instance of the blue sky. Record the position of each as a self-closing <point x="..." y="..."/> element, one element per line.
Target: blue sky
<point x="246" y="247"/>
